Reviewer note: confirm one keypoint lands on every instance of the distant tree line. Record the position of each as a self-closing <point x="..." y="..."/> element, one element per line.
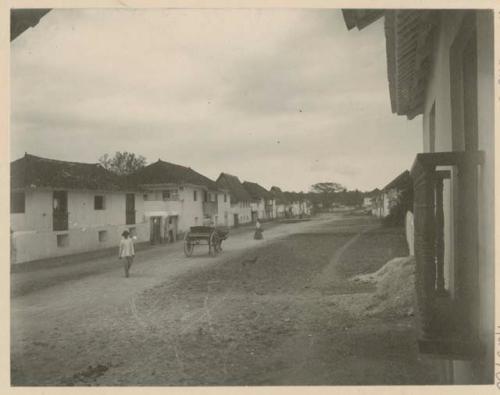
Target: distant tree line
<point x="326" y="195"/>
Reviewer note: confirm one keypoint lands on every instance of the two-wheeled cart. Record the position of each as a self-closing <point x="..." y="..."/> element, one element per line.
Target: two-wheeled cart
<point x="205" y="235"/>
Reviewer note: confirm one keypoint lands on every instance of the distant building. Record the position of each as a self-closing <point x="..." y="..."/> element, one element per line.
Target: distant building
<point x="262" y="204"/>
<point x="280" y="202"/>
<point x="367" y="202"/>
<point x="296" y="204"/>
<point x="60" y="208"/>
<point x="239" y="199"/>
<point x="393" y="192"/>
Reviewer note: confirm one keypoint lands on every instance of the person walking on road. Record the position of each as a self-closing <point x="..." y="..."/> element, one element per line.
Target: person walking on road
<point x="258" y="231"/>
<point x="126" y="251"/>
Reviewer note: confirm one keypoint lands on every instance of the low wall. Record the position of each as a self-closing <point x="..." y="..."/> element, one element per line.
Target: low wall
<point x="34" y="245"/>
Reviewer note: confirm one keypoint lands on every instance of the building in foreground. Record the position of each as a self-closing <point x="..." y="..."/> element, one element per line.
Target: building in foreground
<point x="177" y="197"/>
<point x="441" y="65"/>
<point x="60" y="208"/>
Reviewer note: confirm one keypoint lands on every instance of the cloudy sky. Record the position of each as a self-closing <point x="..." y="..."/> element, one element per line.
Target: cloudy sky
<point x="278" y="97"/>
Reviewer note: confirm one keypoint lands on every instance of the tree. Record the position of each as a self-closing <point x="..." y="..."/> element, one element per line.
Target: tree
<point x="327" y="187"/>
<point x="123" y="163"/>
<point x="326" y="191"/>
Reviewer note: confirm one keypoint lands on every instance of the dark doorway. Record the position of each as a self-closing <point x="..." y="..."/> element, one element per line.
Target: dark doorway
<point x="60" y="210"/>
<point x="155" y="230"/>
<point x="130" y="209"/>
<point x="172" y="229"/>
<point x="236" y="222"/>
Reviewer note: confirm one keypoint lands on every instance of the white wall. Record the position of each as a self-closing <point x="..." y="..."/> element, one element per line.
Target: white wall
<point x="486" y="127"/>
<point x="439" y="92"/>
<point x="192" y="211"/>
<point x="280" y="210"/>
<point x="33" y="237"/>
<point x="243" y="210"/>
<point x="224" y="216"/>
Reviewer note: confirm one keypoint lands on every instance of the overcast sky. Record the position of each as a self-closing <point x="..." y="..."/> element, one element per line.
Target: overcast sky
<point x="278" y="97"/>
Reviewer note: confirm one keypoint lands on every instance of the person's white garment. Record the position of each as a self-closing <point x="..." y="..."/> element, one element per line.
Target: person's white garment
<point x="257" y="225"/>
<point x="126" y="247"/>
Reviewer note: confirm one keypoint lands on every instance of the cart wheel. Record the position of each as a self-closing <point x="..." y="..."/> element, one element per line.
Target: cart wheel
<point x="212" y="244"/>
<point x="188" y="246"/>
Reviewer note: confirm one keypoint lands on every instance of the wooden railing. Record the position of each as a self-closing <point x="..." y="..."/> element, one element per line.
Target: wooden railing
<point x="447" y="322"/>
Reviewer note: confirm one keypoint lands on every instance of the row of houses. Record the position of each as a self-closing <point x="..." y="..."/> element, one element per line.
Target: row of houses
<point x="60" y="208"/>
<point x="380" y="202"/>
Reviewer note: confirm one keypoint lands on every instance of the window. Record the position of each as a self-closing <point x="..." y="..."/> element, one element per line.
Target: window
<point x="99" y="202"/>
<point x="17" y="202"/>
<point x="103" y="236"/>
<point x="225" y="198"/>
<point x="195" y="195"/>
<point x="63" y="240"/>
<point x="170" y="194"/>
<point x="205" y="196"/>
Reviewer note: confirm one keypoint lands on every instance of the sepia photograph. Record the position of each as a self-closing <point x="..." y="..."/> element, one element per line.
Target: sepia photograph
<point x="251" y="197"/>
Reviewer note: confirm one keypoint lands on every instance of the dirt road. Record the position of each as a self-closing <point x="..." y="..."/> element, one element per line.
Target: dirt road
<point x="262" y="313"/>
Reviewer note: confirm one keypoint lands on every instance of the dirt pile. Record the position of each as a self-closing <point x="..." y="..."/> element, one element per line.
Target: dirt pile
<point x="395" y="289"/>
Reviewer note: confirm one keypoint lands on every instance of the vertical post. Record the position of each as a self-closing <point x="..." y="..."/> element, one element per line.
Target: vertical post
<point x="424" y="217"/>
<point x="466" y="266"/>
<point x="440" y="289"/>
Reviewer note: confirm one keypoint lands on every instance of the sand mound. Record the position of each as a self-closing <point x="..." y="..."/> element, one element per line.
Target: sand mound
<point x="395" y="288"/>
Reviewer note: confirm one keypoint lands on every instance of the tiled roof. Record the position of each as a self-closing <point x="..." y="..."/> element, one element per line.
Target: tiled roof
<point x="162" y="172"/>
<point x="360" y="17"/>
<point x="233" y="185"/>
<point x="401" y="182"/>
<point x="23" y="19"/>
<point x="33" y="171"/>
<point x="256" y="191"/>
<point x="410" y="38"/>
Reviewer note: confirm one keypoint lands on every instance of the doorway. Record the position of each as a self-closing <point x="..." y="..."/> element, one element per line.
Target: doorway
<point x="60" y="210"/>
<point x="130" y="209"/>
<point x="155" y="230"/>
<point x="172" y="229"/>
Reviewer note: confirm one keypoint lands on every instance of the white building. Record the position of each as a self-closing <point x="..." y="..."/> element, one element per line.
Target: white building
<point x="441" y="65"/>
<point x="262" y="203"/>
<point x="240" y="211"/>
<point x="280" y="202"/>
<point x="177" y="197"/>
<point x="390" y="195"/>
<point x="60" y="208"/>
